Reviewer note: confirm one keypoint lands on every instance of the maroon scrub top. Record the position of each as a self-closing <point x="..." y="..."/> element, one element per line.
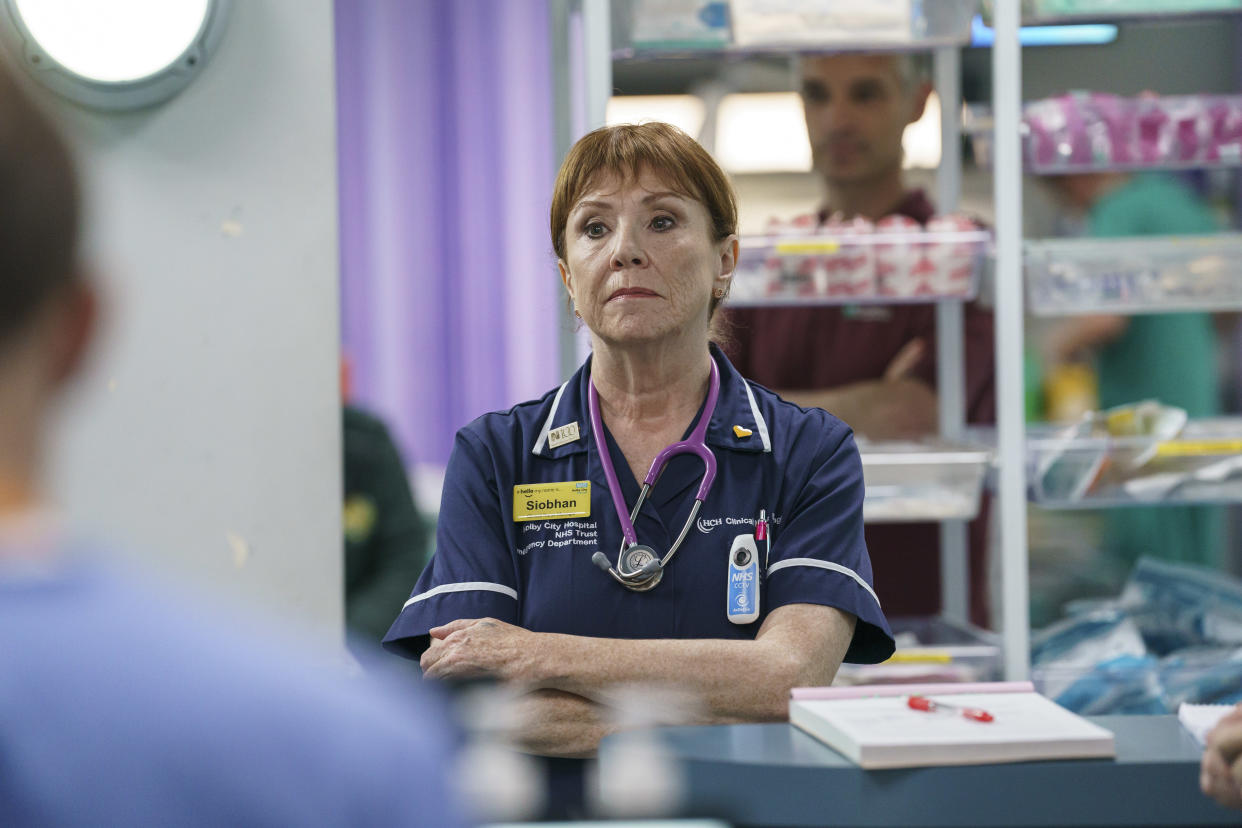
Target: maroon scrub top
<point x="825" y="346"/>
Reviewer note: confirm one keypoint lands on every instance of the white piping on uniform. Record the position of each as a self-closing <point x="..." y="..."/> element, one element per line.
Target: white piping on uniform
<point x="464" y="586"/>
<point x="760" y="423"/>
<point x="547" y="424"/>
<point x="835" y="567"/>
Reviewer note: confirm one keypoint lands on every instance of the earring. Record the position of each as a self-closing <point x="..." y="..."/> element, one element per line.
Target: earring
<point x="578" y="315"/>
<point x="718" y="293"/>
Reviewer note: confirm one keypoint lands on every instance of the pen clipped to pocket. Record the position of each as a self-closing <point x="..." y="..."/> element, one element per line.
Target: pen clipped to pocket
<point x="763" y="538"/>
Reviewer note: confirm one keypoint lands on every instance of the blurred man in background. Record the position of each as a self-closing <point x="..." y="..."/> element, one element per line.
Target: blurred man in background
<point x="874" y="366"/>
<point x="123" y="701"/>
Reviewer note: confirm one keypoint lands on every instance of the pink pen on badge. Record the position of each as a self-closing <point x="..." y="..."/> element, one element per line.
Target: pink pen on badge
<point x="761" y="534"/>
<point x="975" y="714"/>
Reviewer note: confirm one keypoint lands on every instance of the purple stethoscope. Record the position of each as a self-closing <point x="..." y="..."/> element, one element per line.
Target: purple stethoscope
<point x="638" y="567"/>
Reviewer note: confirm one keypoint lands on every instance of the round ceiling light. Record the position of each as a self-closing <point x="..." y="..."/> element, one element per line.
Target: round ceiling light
<point x="122" y="54"/>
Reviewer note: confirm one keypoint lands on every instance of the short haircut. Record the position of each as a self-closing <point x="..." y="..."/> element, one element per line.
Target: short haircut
<point x="39" y="210"/>
<point x="625" y="150"/>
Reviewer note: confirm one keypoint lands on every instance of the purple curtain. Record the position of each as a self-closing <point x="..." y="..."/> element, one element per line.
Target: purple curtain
<point x="449" y="291"/>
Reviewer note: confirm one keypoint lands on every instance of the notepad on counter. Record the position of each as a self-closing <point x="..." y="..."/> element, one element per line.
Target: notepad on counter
<point x="1199" y="719"/>
<point x="875" y="726"/>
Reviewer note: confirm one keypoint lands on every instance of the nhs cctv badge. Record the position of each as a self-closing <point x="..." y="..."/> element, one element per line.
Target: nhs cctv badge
<point x="742" y="598"/>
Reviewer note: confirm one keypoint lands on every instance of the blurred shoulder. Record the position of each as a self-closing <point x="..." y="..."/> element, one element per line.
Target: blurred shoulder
<point x="520" y="425"/>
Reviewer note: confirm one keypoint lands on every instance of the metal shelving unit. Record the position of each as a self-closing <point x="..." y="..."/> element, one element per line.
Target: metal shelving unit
<point x="942" y="30"/>
<point x="1010" y="423"/>
<point x="1089" y="276"/>
<point x="1159" y="283"/>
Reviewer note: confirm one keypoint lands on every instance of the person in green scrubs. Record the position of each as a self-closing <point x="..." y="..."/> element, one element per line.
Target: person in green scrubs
<point x="1170" y="357"/>
<point x="387" y="540"/>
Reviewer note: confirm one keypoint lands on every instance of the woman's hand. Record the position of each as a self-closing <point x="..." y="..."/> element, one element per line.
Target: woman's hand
<point x="479" y="647"/>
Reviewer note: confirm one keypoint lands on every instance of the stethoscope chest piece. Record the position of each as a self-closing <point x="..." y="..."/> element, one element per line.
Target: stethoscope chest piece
<point x="634" y="559"/>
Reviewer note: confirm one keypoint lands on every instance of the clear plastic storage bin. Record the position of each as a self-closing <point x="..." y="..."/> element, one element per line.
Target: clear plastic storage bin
<point x="655" y="28"/>
<point x="824" y="24"/>
<point x="1203" y="464"/>
<point x="887" y="268"/>
<point x="1069" y="12"/>
<point x="921" y="481"/>
<point x="1134" y="275"/>
<point x="931" y="650"/>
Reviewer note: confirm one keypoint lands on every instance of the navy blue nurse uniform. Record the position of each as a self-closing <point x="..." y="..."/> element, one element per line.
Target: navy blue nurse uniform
<point x="799" y="465"/>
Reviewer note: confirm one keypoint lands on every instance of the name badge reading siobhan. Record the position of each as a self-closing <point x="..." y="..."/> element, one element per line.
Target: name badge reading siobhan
<point x="552" y="501"/>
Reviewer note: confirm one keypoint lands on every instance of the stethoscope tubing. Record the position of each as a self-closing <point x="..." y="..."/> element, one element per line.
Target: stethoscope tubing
<point x="695" y="443"/>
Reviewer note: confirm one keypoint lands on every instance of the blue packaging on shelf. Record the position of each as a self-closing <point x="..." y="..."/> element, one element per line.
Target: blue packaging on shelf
<point x="1174" y="635"/>
<point x="1125" y="684"/>
<point x="1087" y="639"/>
<point x="1202" y="676"/>
<point x="1180" y="605"/>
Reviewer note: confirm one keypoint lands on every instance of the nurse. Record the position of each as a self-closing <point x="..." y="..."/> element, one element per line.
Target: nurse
<point x="644" y="225"/>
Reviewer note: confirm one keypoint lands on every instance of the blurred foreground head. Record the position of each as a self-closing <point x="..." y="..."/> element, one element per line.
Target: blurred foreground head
<point x="38" y="210"/>
<point x="174" y="710"/>
<point x="47" y="309"/>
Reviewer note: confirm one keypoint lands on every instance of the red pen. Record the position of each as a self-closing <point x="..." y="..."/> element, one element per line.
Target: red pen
<point x="975" y="714"/>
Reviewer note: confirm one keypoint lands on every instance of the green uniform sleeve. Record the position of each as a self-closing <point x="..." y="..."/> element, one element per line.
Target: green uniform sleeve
<point x="387" y="541"/>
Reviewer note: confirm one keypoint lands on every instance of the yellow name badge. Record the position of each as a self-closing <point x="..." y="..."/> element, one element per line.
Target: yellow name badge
<point x="552" y="501"/>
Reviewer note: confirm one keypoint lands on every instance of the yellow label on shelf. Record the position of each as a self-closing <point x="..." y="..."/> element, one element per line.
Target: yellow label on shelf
<point x="1121" y="422"/>
<point x="821" y="246"/>
<point x="920" y="658"/>
<point x="1196" y="448"/>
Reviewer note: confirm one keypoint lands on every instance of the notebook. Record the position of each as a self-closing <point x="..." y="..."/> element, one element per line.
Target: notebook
<point x="876" y="727"/>
<point x="1199" y="719"/>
